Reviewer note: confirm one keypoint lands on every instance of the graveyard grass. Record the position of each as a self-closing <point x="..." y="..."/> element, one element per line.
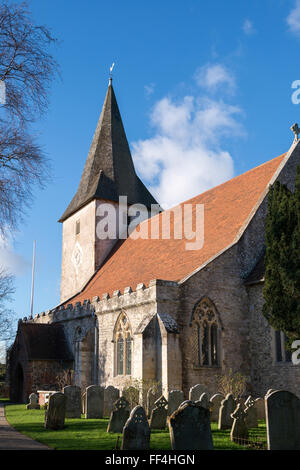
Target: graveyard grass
<point x="90" y="434"/>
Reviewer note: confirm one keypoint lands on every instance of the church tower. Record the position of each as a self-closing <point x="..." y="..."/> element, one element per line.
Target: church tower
<point x="108" y="174"/>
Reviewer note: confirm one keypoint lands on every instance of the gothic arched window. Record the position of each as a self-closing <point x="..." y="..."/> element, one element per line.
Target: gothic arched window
<point x="206" y="334"/>
<point x="122" y="340"/>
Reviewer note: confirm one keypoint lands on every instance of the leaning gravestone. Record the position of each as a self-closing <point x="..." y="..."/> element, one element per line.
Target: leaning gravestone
<point x="136" y="432"/>
<point x="283" y="418"/>
<point x="56" y="411"/>
<point x="119" y="415"/>
<point x="153" y="394"/>
<point x="239" y="430"/>
<point x="111" y="395"/>
<point x="94" y="401"/>
<point x="189" y="428"/>
<point x="73" y="403"/>
<point x="196" y="392"/>
<point x="260" y="407"/>
<point x="159" y="414"/>
<point x="227" y="407"/>
<point x="175" y="398"/>
<point x="251" y="413"/>
<point x="33" y="402"/>
<point x="215" y="403"/>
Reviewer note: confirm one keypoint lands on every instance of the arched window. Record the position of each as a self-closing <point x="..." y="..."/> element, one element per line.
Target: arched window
<point x="206" y="334"/>
<point x="123" y="350"/>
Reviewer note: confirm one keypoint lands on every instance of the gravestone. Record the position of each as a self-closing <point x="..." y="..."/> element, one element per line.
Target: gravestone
<point x="227" y="407"/>
<point x="56" y="411"/>
<point x="153" y="394"/>
<point x="196" y="391"/>
<point x="283" y="418"/>
<point x="239" y="430"/>
<point x="136" y="432"/>
<point x="215" y="403"/>
<point x="189" y="428"/>
<point x="260" y="407"/>
<point x="158" y="419"/>
<point x="94" y="401"/>
<point x="251" y="413"/>
<point x="119" y="415"/>
<point x="203" y="401"/>
<point x="33" y="402"/>
<point x="175" y="398"/>
<point x="73" y="403"/>
<point x="111" y="395"/>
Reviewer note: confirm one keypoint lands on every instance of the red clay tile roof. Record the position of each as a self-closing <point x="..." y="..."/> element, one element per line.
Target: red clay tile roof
<point x="226" y="209"/>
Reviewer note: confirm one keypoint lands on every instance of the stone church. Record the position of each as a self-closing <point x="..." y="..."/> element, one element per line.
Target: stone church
<point x="148" y="308"/>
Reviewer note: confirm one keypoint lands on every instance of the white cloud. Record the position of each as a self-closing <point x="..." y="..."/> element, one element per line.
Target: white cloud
<point x="185" y="156"/>
<point x="213" y="76"/>
<point x="248" y="27"/>
<point x="293" y="19"/>
<point x="9" y="260"/>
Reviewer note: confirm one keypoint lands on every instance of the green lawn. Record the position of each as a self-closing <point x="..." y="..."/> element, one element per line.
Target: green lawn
<point x="90" y="434"/>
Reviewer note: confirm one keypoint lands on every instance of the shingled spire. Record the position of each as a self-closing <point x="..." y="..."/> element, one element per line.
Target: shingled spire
<point x="109" y="171"/>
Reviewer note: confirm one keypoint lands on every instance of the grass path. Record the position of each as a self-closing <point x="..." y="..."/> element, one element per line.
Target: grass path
<point x="90" y="434"/>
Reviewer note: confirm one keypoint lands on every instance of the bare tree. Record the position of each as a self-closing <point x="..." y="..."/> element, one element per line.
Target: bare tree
<point x="27" y="69"/>
<point x="6" y="290"/>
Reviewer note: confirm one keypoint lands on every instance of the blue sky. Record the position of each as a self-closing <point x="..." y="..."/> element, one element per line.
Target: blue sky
<point x="204" y="89"/>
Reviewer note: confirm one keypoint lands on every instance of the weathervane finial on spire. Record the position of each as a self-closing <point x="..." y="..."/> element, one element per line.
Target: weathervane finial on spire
<point x="110" y="73"/>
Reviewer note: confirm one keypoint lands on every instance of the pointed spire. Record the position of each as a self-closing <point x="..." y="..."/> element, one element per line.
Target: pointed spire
<point x="109" y="171"/>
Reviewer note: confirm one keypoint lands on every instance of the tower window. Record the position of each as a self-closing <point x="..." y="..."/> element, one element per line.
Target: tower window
<point x="77" y="227"/>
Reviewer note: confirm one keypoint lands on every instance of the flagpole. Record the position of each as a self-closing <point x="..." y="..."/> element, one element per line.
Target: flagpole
<point x="32" y="279"/>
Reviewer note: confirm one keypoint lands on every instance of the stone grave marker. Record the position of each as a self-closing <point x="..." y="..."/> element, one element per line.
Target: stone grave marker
<point x="158" y="419"/>
<point x="33" y="402"/>
<point x="153" y="394"/>
<point x="239" y="430"/>
<point x="260" y="407"/>
<point x="283" y="418"/>
<point x="56" y="411"/>
<point x="73" y="403"/>
<point x="196" y="391"/>
<point x="136" y="432"/>
<point x="251" y="413"/>
<point x="227" y="407"/>
<point x="203" y="401"/>
<point x="175" y="398"/>
<point x="189" y="428"/>
<point x="94" y="401"/>
<point x="111" y="395"/>
<point x="119" y="415"/>
<point x="215" y="403"/>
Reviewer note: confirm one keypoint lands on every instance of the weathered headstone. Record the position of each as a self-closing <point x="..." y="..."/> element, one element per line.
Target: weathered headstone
<point x="153" y="394"/>
<point x="56" y="411"/>
<point x="159" y="414"/>
<point x="73" y="403"/>
<point x="94" y="401"/>
<point x="119" y="415"/>
<point x="33" y="402"/>
<point x="189" y="428"/>
<point x="239" y="430"/>
<point x="203" y="401"/>
<point x="215" y="403"/>
<point x="227" y="407"/>
<point x="83" y="400"/>
<point x="111" y="395"/>
<point x="196" y="391"/>
<point x="136" y="432"/>
<point x="260" y="407"/>
<point x="283" y="418"/>
<point x="251" y="413"/>
<point x="175" y="398"/>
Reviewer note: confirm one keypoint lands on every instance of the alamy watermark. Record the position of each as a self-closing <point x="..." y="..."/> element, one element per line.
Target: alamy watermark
<point x="296" y="354"/>
<point x="185" y="221"/>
